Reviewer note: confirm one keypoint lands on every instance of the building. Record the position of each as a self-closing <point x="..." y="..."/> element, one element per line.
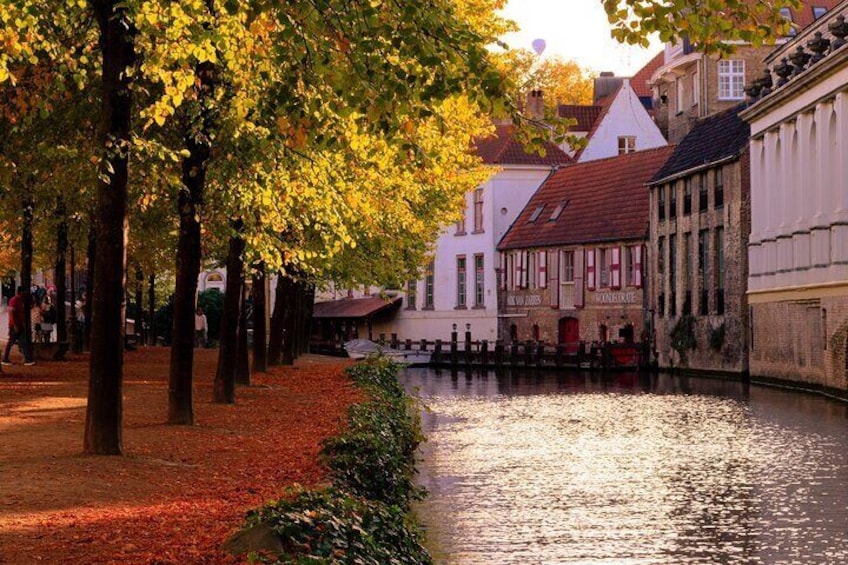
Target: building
<point x="617" y="123"/>
<point x="572" y="262"/>
<point x="798" y="247"/>
<point x="697" y="255"/>
<point x="459" y="286"/>
<point x="691" y="85"/>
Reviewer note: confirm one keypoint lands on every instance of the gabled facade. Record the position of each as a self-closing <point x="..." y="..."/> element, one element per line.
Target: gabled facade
<point x="459" y="287"/>
<point x="697" y="259"/>
<point x="691" y="85"/>
<point x="798" y="248"/>
<point x="617" y="124"/>
<point x="571" y="265"/>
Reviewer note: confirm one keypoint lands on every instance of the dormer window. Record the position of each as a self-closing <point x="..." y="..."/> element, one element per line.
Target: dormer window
<point x="558" y="210"/>
<point x="536" y="213"/>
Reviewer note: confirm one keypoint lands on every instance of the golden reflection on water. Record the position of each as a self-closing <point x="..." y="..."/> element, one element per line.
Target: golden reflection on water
<point x="558" y="471"/>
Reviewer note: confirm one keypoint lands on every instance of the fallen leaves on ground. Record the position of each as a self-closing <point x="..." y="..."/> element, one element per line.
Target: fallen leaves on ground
<point x="179" y="491"/>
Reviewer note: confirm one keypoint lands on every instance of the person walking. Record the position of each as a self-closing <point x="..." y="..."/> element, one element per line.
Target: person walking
<point x="200" y="327"/>
<point x="17" y="328"/>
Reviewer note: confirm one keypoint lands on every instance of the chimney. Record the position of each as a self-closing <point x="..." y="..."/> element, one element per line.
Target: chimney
<point x="535" y="105"/>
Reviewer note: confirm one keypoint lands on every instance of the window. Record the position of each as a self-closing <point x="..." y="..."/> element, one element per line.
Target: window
<point x="672" y="274"/>
<point x="411" y="294"/>
<point x="819" y="11"/>
<point x="626" y="144"/>
<point x="719" y="189"/>
<point x="679" y="85"/>
<point x="696" y="88"/>
<point x="530" y="273"/>
<point x="719" y="267"/>
<point x="687" y="263"/>
<point x="605" y="265"/>
<point x="461" y="278"/>
<point x="661" y="255"/>
<point x="787" y="15"/>
<point x="568" y="266"/>
<point x="536" y="213"/>
<point x="479" y="288"/>
<point x="558" y="210"/>
<point x="702" y="193"/>
<point x="478" y="210"/>
<point x="629" y="267"/>
<point x="687" y="197"/>
<point x="672" y="202"/>
<point x="460" y="225"/>
<point x="661" y="202"/>
<point x="703" y="259"/>
<point x="731" y="79"/>
<point x="428" y="286"/>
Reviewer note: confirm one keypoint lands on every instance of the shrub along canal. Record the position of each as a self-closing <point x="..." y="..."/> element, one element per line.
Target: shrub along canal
<point x="618" y="469"/>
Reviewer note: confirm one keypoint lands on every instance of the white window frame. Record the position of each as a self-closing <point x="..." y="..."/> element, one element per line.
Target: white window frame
<point x="626" y="144"/>
<point x="461" y="282"/>
<point x="478" y="210"/>
<point x="731" y="79"/>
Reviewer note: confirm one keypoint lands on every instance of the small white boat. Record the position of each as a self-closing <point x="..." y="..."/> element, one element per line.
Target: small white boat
<point x="364" y="348"/>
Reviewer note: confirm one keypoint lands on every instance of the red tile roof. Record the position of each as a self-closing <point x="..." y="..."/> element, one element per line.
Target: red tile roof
<point x="502" y="149"/>
<point x="607" y="201"/>
<point x="586" y="116"/>
<point x="639" y="82"/>
<point x="354" y="307"/>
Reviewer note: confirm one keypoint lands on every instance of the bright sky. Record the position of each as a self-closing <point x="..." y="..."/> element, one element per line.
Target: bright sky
<point x="578" y="30"/>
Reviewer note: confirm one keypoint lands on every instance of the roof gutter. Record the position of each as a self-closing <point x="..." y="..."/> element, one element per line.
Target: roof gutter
<point x="692" y="170"/>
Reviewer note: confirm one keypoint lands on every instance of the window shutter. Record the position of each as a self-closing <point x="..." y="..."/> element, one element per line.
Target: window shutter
<point x="525" y="263"/>
<point x="554" y="256"/>
<point x="578" y="278"/>
<point x="542" y="261"/>
<point x="590" y="269"/>
<point x="637" y="270"/>
<point x="615" y="268"/>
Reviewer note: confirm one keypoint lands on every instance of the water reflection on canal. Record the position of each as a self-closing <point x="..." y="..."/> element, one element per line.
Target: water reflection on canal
<point x="621" y="470"/>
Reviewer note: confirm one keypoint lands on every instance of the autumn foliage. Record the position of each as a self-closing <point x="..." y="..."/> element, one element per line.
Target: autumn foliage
<point x="180" y="491"/>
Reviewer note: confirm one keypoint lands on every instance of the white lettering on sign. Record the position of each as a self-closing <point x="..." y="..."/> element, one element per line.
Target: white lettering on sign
<point x="524" y="300"/>
<point x="616" y="297"/>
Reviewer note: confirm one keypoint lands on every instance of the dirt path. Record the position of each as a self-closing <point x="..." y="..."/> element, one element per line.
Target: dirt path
<point x="178" y="492"/>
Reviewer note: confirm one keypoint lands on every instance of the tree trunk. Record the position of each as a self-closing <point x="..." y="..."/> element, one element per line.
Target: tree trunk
<point x="139" y="304"/>
<point x="225" y="376"/>
<point x="151" y="307"/>
<point x="75" y="337"/>
<point x="26" y="265"/>
<point x="104" y="412"/>
<point x="59" y="272"/>
<point x="290" y="325"/>
<point x="275" y="339"/>
<point x="260" y="349"/>
<point x="243" y="361"/>
<point x="88" y="306"/>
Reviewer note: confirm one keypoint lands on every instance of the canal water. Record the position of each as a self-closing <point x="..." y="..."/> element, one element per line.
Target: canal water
<point x="618" y="469"/>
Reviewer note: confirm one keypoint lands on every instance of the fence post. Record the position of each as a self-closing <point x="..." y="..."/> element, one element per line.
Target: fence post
<point x="484" y="353"/>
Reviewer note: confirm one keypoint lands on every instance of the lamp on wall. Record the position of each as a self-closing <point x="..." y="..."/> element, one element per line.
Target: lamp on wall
<point x="454" y="327"/>
<point x="468" y="327"/>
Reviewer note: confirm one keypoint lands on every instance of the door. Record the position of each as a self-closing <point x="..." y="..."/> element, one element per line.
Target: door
<point x="569" y="333"/>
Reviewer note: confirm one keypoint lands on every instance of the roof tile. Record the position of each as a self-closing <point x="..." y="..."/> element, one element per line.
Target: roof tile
<point x="501" y="148"/>
<point x="607" y="201"/>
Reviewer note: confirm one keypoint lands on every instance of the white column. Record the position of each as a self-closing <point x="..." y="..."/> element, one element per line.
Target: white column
<point x="840" y="170"/>
<point x="758" y="197"/>
<point x="820" y="163"/>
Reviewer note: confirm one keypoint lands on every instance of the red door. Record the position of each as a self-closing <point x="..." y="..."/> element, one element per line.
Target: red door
<point x="569" y="333"/>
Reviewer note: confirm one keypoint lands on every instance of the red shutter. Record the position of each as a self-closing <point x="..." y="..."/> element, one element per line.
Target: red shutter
<point x="590" y="269"/>
<point x="542" y="261"/>
<point x="578" y="278"/>
<point x="615" y="268"/>
<point x="637" y="271"/>
<point x="554" y="255"/>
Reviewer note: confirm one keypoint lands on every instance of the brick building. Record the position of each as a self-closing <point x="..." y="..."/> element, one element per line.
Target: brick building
<point x="798" y="249"/>
<point x="697" y="255"/>
<point x="691" y="85"/>
<point x="571" y="263"/>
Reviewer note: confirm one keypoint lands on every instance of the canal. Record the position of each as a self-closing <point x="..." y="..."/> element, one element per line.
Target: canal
<point x="549" y="468"/>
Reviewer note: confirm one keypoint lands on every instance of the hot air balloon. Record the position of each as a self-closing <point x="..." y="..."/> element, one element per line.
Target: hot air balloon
<point x="539" y="46"/>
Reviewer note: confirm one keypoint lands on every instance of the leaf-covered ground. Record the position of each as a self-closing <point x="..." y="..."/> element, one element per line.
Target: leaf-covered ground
<point x="178" y="492"/>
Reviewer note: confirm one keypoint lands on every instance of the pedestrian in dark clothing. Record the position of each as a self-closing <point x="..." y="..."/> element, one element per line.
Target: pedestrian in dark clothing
<point x="17" y="327"/>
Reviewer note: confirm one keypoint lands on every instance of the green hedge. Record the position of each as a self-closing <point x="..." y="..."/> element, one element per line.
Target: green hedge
<point x="364" y="517"/>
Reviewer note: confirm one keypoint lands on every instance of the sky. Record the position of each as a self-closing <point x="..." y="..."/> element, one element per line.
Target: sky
<point x="578" y="30"/>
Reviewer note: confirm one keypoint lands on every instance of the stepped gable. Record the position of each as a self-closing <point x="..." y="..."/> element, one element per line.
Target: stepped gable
<point x="605" y="200"/>
<point x="712" y="139"/>
<point x="501" y="148"/>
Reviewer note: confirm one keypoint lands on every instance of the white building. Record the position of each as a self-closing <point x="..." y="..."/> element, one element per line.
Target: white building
<point x="615" y="125"/>
<point x="460" y="285"/>
<point x="798" y="249"/>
